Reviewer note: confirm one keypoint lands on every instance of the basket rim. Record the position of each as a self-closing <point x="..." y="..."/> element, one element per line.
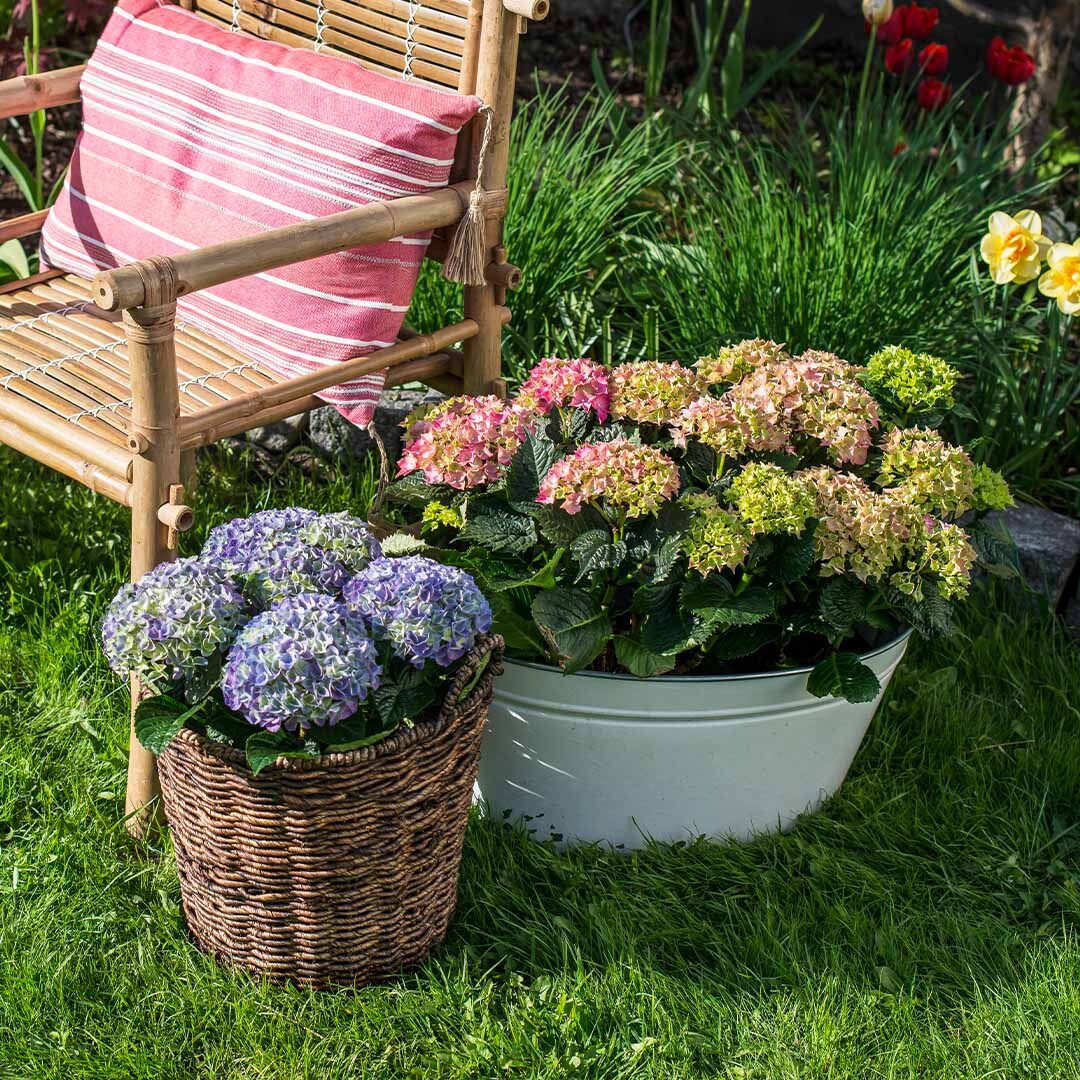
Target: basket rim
<point x="488" y="649"/>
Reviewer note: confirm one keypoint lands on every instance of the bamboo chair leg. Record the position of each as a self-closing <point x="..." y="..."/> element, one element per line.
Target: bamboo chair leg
<point x="496" y="70"/>
<point x="155" y="431"/>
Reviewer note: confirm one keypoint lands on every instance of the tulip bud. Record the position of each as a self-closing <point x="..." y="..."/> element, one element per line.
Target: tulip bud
<point x="877" y="11"/>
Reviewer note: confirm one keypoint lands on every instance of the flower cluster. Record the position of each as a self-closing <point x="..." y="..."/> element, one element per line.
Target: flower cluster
<point x="816" y="395"/>
<point x="769" y="500"/>
<point x="620" y="475"/>
<point x="305" y="662"/>
<point x="556" y="384"/>
<point x="426" y="610"/>
<point x="649" y="392"/>
<point x="169" y="626"/>
<point x="712" y="422"/>
<point x="898" y="29"/>
<point x="732" y="362"/>
<point x="277" y="553"/>
<point x="716" y="539"/>
<point x="938" y="551"/>
<point x="920" y="466"/>
<point x="860" y="531"/>
<point x="918" y="382"/>
<point x="463" y="441"/>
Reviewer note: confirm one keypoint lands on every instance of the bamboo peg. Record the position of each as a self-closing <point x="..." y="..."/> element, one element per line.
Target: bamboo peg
<point x="529" y="9"/>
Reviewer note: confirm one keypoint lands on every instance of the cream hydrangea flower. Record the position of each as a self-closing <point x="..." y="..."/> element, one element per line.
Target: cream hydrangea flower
<point x="717" y="539"/>
<point x="1015" y="247"/>
<point x="1062" y="281"/>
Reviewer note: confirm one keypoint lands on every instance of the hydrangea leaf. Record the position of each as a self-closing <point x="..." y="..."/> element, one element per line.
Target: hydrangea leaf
<point x="158" y="720"/>
<point x="714" y="602"/>
<point x="561" y="529"/>
<point x="263" y="748"/>
<point x="520" y="632"/>
<point x="668" y="630"/>
<point x="639" y="660"/>
<point x="574" y="625"/>
<point x="528" y="467"/>
<point x="413" y="490"/>
<point x="995" y="548"/>
<point x="792" y="556"/>
<point x="843" y="675"/>
<point x="741" y="641"/>
<point x="843" y="603"/>
<point x="491" y="523"/>
<point x="404" y="695"/>
<point x="594" y="550"/>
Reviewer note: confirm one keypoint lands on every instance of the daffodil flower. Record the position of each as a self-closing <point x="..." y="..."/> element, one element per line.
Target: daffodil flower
<point x="1062" y="281"/>
<point x="1015" y="247"/>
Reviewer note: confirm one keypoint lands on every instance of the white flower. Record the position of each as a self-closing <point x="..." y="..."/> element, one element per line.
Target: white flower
<point x="877" y="11"/>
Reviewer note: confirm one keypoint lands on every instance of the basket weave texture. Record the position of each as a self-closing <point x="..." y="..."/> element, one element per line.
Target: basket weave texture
<point x="336" y="870"/>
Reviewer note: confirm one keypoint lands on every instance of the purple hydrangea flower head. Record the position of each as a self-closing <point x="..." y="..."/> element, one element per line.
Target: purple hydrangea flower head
<point x="277" y="553"/>
<point x="168" y="626"/>
<point x="426" y="610"/>
<point x="307" y="661"/>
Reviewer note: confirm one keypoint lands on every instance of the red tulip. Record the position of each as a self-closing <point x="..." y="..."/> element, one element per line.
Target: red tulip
<point x="919" y="22"/>
<point x="892" y="30"/>
<point x="934" y="59"/>
<point x="933" y="94"/>
<point x="898" y="57"/>
<point x="1012" y="66"/>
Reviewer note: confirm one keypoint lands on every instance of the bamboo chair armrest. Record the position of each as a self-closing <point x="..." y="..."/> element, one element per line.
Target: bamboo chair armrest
<point x="27" y="93"/>
<point x="125" y="287"/>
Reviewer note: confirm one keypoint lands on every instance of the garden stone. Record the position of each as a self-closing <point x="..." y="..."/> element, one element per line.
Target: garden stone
<point x="279" y="438"/>
<point x="1049" y="546"/>
<point x="335" y="438"/>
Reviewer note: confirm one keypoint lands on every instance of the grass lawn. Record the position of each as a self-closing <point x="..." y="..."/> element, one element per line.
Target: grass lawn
<point x="924" y="925"/>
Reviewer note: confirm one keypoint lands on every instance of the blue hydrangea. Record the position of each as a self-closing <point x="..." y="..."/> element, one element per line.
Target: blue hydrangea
<point x="427" y="611"/>
<point x="170" y="626"/>
<point x="278" y="553"/>
<point x="306" y="661"/>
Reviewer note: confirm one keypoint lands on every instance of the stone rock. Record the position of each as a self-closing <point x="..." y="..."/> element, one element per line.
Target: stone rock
<point x="1049" y="546"/>
<point x="281" y="437"/>
<point x="335" y="438"/>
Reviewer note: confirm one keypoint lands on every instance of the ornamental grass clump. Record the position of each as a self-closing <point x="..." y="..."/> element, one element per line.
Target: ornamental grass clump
<point x="292" y="635"/>
<point x="757" y="511"/>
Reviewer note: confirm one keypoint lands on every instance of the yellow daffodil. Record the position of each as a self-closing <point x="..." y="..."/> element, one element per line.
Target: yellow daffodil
<point x="1014" y="247"/>
<point x="1062" y="281"/>
<point x="877" y="12"/>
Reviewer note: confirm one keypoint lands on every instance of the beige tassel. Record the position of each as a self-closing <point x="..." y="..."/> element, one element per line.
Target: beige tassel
<point x="467" y="259"/>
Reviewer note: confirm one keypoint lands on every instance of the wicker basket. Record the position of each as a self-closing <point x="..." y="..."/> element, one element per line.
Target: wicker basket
<point x="340" y="870"/>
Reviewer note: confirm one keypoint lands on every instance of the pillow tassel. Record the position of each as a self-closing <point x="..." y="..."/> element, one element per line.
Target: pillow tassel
<point x="467" y="259"/>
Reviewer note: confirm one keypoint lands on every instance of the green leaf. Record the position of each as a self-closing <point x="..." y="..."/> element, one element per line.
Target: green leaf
<point x="594" y="550"/>
<point x="494" y="525"/>
<point x="792" y="557"/>
<point x="413" y="490"/>
<point x="158" y="720"/>
<point x="654" y="596"/>
<point x="731" y="72"/>
<point x="544" y="578"/>
<point x="561" y="529"/>
<point x="265" y="747"/>
<point x="470" y="686"/>
<point x="667" y="630"/>
<point x="574" y="625"/>
<point x="715" y="603"/>
<point x="843" y="675"/>
<point x="843" y="603"/>
<point x="24" y="179"/>
<point x="639" y="660"/>
<point x="931" y="617"/>
<point x="528" y="467"/>
<point x="521" y="634"/>
<point x="742" y="641"/>
<point x="994" y="546"/>
<point x="404" y="695"/>
<point x="11" y="253"/>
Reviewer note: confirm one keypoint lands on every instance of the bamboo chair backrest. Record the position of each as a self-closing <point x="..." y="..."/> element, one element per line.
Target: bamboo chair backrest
<point x="434" y="41"/>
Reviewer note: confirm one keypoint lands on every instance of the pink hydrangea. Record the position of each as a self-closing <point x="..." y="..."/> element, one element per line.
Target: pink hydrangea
<point x="816" y="395"/>
<point x="713" y="422"/>
<point x="651" y="392"/>
<point x="463" y="441"/>
<point x="621" y="475"/>
<point x="556" y="383"/>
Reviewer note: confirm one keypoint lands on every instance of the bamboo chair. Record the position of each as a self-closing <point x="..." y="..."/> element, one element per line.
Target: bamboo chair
<point x="99" y="382"/>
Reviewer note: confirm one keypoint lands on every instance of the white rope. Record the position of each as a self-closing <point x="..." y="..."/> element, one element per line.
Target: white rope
<point x="320" y="25"/>
<point x="22" y="324"/>
<point x="410" y="42"/>
<point x="235" y="28"/>
<point x="202" y="380"/>
<point x="21" y="376"/>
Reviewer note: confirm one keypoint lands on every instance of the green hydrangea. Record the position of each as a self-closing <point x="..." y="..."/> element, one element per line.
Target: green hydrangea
<point x="919" y="465"/>
<point x="769" y="500"/>
<point x="437" y="515"/>
<point x="717" y="539"/>
<point x="917" y="382"/>
<point x="939" y="551"/>
<point x="989" y="490"/>
<point x="732" y="362"/>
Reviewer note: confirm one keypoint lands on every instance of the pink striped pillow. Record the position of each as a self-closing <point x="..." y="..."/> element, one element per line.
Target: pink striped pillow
<point x="193" y="135"/>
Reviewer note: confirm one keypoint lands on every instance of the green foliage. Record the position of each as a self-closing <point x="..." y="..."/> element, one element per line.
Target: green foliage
<point x="573" y="189"/>
<point x="574" y="623"/>
<point x="843" y="675"/>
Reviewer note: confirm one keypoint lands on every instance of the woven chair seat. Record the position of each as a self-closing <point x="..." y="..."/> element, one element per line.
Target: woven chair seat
<point x="60" y="354"/>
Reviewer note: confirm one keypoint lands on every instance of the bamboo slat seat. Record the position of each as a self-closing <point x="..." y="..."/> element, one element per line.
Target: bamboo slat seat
<point x="103" y="381"/>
